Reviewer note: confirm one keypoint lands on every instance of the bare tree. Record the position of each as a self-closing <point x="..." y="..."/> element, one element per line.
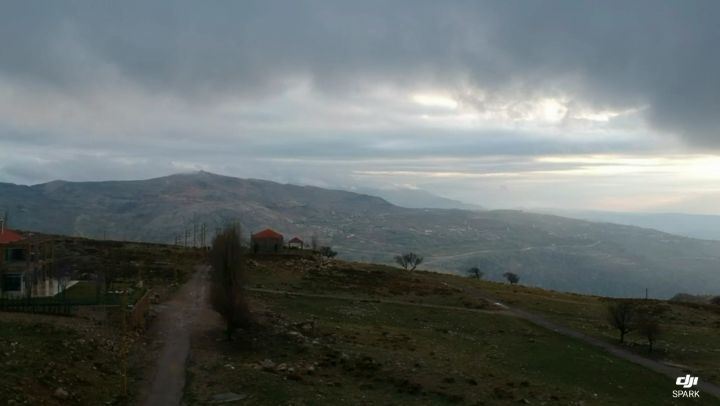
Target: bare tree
<point x="649" y="327"/>
<point x="227" y="279"/>
<point x="326" y="254"/>
<point x="513" y="278"/>
<point x="314" y="242"/>
<point x="475" y="272"/>
<point x="648" y="323"/>
<point x="409" y="261"/>
<point x="621" y="315"/>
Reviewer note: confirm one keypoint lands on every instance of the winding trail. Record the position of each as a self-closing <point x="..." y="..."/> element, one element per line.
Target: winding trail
<point x="619" y="352"/>
<point x="173" y="327"/>
<point x="373" y="300"/>
<point x="657" y="366"/>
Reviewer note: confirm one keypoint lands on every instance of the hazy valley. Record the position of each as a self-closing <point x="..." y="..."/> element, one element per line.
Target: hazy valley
<point x="547" y="251"/>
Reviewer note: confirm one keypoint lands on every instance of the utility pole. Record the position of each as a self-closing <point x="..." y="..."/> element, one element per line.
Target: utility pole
<point x="203" y="235"/>
<point x="194" y="234"/>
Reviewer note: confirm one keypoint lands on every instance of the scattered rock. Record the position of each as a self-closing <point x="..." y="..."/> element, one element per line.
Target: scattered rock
<point x="308" y="326"/>
<point x="61" y="394"/>
<point x="268" y="365"/>
<point x="501" y="393"/>
<point x="293" y="376"/>
<point x="227" y="397"/>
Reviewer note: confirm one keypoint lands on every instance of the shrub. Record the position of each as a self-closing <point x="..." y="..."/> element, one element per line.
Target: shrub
<point x="475" y="272"/>
<point x="511" y="277"/>
<point x="409" y="261"/>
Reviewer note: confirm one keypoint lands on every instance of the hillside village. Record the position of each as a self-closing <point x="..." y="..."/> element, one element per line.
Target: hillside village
<point x="549" y="251"/>
<point x="321" y="330"/>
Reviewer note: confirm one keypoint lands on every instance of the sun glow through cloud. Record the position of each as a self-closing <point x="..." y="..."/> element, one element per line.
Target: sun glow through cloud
<point x="443" y="96"/>
<point x="434" y="100"/>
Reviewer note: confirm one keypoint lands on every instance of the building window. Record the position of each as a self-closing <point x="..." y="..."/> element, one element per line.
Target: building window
<point x="15" y="254"/>
<point x="12" y="282"/>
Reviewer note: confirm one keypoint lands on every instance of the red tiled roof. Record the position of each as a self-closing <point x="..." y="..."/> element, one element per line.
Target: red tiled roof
<point x="295" y="239"/>
<point x="9" y="236"/>
<point x="267" y="234"/>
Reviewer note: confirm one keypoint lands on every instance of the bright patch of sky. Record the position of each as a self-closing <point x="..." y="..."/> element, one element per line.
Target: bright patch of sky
<point x="499" y="104"/>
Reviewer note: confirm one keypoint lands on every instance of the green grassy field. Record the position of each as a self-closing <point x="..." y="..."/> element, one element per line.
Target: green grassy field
<point x="689" y="331"/>
<point x="361" y="349"/>
<point x="87" y="292"/>
<point x="364" y="352"/>
<point x="688" y="337"/>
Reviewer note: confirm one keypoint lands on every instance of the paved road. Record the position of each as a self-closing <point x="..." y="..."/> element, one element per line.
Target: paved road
<point x="174" y="326"/>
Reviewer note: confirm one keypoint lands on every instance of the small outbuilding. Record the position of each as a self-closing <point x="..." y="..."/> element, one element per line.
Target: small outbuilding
<point x="8" y="236"/>
<point x="296" y="243"/>
<point x="265" y="241"/>
<point x="14" y="262"/>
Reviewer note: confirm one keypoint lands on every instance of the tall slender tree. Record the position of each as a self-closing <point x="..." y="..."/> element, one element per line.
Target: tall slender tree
<point x="227" y="295"/>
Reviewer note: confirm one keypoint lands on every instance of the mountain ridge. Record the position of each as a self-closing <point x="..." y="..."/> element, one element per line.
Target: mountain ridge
<point x="546" y="250"/>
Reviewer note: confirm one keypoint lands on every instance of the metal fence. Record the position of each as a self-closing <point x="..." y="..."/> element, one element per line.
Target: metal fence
<point x="61" y="305"/>
<point x="32" y="306"/>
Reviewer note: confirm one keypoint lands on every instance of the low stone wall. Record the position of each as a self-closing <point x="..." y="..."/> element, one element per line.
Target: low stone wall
<point x="97" y="313"/>
<point x="138" y="314"/>
<point x="112" y="314"/>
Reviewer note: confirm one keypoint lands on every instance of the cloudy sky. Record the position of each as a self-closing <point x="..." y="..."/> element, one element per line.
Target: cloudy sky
<point x="610" y="105"/>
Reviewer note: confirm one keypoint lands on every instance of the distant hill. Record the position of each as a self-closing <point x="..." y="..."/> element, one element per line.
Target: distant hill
<point x="417" y="199"/>
<point x="545" y="250"/>
<point x="702" y="226"/>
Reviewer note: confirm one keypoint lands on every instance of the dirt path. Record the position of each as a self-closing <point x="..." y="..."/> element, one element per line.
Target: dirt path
<point x="657" y="366"/>
<point x="174" y="327"/>
<point x="667" y="370"/>
<point x="372" y="300"/>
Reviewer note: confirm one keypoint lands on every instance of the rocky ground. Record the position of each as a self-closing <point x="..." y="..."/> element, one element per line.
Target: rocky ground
<point x="48" y="360"/>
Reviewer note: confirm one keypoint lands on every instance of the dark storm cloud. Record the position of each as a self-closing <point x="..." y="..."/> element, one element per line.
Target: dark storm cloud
<point x="609" y="54"/>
